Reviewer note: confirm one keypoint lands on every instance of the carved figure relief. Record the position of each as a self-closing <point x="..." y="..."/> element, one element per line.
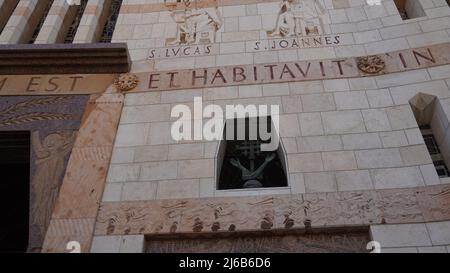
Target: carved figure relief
<point x="50" y="161"/>
<point x="195" y="25"/>
<point x="286" y="26"/>
<point x="299" y="17"/>
<point x="306" y="211"/>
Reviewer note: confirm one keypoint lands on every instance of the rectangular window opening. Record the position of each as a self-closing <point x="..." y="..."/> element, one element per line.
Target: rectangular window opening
<point x="434" y="150"/>
<point x="409" y="9"/>
<point x="111" y="20"/>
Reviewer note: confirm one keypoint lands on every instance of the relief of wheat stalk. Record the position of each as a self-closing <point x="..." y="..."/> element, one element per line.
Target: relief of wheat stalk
<point x="31" y="103"/>
<point x="34" y="117"/>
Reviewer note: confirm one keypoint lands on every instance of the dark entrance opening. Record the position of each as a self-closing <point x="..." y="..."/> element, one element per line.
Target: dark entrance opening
<point x="245" y="165"/>
<point x="14" y="190"/>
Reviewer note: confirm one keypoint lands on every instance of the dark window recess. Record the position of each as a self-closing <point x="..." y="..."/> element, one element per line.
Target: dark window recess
<point x="111" y="21"/>
<point x="409" y="9"/>
<point x="243" y="159"/>
<point x="403" y="13"/>
<point x="401" y="7"/>
<point x="14" y="190"/>
<point x="41" y="22"/>
<point x="70" y="36"/>
<point x="435" y="152"/>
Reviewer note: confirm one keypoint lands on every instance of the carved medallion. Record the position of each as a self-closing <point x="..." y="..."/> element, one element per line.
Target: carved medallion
<point x="371" y="64"/>
<point x="126" y="82"/>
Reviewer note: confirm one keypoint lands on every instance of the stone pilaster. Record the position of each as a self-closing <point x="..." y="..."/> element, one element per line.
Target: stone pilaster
<point x="85" y="177"/>
<point x="21" y="24"/>
<point x="54" y="23"/>
<point x="6" y="9"/>
<point x="92" y="23"/>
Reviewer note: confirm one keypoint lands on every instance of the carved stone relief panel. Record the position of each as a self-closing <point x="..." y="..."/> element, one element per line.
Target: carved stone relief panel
<point x="299" y="18"/>
<point x="266" y="242"/>
<point x="53" y="122"/>
<point x="195" y="25"/>
<point x="281" y="212"/>
<point x="50" y="157"/>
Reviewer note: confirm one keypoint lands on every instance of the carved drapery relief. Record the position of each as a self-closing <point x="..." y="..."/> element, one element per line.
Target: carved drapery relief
<point x="195" y="25"/>
<point x="299" y="18"/>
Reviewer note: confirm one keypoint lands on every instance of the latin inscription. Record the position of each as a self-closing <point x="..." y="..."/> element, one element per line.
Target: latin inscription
<point x="294" y="71"/>
<point x="54" y="84"/>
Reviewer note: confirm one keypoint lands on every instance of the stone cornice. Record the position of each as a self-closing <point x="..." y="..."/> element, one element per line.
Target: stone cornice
<point x="96" y="58"/>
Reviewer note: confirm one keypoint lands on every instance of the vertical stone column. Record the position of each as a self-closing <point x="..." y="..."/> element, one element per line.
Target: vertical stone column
<point x="76" y="209"/>
<point x="54" y="23"/>
<point x="6" y="9"/>
<point x="18" y="25"/>
<point x="93" y="20"/>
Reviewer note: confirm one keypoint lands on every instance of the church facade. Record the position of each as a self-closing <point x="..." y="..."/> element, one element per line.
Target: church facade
<point x="225" y="126"/>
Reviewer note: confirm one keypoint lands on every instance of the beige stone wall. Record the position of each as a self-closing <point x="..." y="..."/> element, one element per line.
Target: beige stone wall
<point x="339" y="134"/>
<point x="413" y="238"/>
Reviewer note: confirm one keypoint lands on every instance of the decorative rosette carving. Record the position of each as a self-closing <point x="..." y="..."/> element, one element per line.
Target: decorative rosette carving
<point x="126" y="82"/>
<point x="371" y="64"/>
